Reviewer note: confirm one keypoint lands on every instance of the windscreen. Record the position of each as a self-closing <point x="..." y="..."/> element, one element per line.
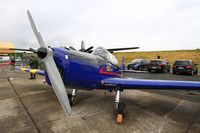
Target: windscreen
<point x="136" y="60"/>
<point x="185" y="63"/>
<point x="155" y="62"/>
<point x="106" y="55"/>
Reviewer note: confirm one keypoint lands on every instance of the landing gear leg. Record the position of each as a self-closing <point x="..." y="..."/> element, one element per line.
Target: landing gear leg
<point x="120" y="107"/>
<point x="72" y="97"/>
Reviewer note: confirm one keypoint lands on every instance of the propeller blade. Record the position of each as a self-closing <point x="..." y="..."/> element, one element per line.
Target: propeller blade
<point x="17" y="49"/>
<point x="36" y="32"/>
<point x="72" y="48"/>
<point x="88" y="49"/>
<point x="56" y="81"/>
<point x="82" y="45"/>
<point x="119" y="49"/>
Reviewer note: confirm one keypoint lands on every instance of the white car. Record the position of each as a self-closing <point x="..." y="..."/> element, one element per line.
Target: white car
<point x="4" y="58"/>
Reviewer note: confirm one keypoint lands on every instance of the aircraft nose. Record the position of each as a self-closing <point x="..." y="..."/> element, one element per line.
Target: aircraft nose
<point x="61" y="57"/>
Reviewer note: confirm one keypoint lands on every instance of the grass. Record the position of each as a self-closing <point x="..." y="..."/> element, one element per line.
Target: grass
<point x="170" y="56"/>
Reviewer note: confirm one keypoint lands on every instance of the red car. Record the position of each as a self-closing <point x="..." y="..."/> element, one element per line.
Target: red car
<point x="185" y="67"/>
<point x="158" y="65"/>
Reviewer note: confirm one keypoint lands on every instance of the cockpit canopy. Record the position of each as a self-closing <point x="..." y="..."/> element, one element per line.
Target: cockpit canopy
<point x="100" y="51"/>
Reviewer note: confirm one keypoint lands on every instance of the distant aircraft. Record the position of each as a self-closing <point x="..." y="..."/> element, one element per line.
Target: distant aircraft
<point x="89" y="69"/>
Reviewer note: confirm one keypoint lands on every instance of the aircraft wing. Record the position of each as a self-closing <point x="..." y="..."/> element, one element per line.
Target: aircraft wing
<point x="126" y="83"/>
<point x="34" y="71"/>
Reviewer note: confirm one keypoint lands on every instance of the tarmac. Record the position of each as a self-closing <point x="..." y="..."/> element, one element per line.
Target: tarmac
<point x="30" y="106"/>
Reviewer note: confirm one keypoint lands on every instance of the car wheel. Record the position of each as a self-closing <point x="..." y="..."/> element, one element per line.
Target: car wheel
<point x="174" y="72"/>
<point x="149" y="70"/>
<point x="196" y="71"/>
<point x="192" y="72"/>
<point x="140" y="68"/>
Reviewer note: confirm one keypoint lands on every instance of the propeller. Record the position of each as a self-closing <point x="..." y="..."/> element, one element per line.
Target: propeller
<point x="46" y="54"/>
<point x="82" y="46"/>
<point x="88" y="50"/>
<point x="19" y="49"/>
<point x="119" y="49"/>
<point x="72" y="48"/>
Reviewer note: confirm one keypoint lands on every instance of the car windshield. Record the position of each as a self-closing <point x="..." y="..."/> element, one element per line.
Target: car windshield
<point x="182" y="63"/>
<point x="155" y="62"/>
<point x="136" y="60"/>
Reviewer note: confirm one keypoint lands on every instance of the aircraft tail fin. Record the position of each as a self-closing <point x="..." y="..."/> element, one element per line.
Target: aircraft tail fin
<point x="123" y="66"/>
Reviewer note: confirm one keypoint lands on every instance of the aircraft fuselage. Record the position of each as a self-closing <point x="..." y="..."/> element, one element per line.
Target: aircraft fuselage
<point x="83" y="70"/>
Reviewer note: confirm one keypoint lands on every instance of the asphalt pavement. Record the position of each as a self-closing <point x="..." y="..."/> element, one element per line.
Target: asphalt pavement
<point x="31" y="106"/>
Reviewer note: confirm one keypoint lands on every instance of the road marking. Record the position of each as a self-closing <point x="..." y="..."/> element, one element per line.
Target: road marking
<point x="169" y="113"/>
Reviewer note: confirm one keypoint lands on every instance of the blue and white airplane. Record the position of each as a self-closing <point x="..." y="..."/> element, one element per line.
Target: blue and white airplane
<point x="89" y="69"/>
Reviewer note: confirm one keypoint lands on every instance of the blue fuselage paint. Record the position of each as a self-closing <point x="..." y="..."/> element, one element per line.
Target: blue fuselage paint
<point x="79" y="69"/>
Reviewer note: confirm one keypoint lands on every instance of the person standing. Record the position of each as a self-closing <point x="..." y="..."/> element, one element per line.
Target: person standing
<point x="33" y="65"/>
<point x="12" y="64"/>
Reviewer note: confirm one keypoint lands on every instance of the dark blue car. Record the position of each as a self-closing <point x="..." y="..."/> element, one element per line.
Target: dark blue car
<point x="138" y="64"/>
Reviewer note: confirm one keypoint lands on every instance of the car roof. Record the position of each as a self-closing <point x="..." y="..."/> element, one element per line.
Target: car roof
<point x="158" y="60"/>
<point x="183" y="60"/>
<point x="139" y="59"/>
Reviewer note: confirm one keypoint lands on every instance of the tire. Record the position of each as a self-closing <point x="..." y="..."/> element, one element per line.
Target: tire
<point x="149" y="70"/>
<point x="121" y="108"/>
<point x="174" y="72"/>
<point x="140" y="68"/>
<point x="192" y="73"/>
<point x="196" y="71"/>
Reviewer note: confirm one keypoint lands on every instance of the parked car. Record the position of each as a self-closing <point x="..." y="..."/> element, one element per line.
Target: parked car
<point x="185" y="67"/>
<point x="138" y="64"/>
<point x="4" y="59"/>
<point x="158" y="65"/>
<point x="18" y="59"/>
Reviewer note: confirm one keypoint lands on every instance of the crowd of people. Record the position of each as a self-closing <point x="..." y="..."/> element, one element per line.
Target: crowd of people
<point x="33" y="63"/>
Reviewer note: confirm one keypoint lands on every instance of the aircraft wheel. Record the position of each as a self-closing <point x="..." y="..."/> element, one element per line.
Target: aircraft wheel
<point x="121" y="112"/>
<point x="73" y="100"/>
<point x="119" y="118"/>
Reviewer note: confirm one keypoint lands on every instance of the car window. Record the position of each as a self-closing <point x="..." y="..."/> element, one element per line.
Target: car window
<point x="136" y="60"/>
<point x="182" y="63"/>
<point x="155" y="62"/>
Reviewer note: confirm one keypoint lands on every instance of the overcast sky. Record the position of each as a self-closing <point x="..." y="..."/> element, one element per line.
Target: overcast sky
<point x="148" y="24"/>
